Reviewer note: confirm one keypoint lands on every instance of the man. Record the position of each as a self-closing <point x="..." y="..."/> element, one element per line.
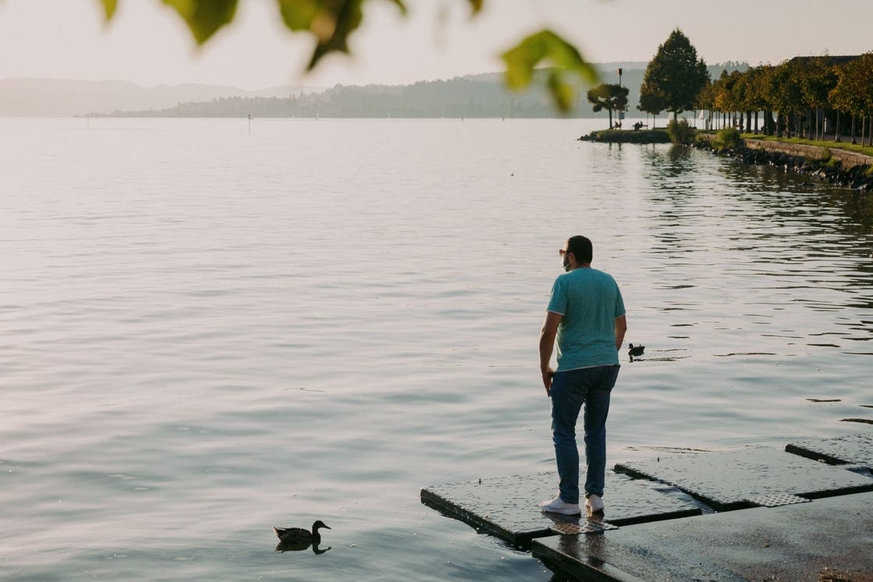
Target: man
<point x="586" y="314"/>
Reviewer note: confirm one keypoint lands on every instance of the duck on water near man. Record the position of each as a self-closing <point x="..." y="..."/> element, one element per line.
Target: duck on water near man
<point x="298" y="538"/>
<point x="301" y="535"/>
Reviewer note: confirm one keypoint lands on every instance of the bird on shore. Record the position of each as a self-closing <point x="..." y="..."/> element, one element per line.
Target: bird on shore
<point x="299" y="535"/>
<point x="633" y="350"/>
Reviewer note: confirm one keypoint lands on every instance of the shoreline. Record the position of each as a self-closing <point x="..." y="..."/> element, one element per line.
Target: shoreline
<point x="831" y="165"/>
<point x="828" y="164"/>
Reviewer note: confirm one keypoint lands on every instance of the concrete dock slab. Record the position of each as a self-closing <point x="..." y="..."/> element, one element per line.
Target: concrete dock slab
<point x="508" y="507"/>
<point x="737" y="479"/>
<point x="855" y="449"/>
<point x="827" y="539"/>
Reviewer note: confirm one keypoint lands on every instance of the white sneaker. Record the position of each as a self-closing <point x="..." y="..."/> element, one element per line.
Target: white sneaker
<point x="557" y="505"/>
<point x="594" y="503"/>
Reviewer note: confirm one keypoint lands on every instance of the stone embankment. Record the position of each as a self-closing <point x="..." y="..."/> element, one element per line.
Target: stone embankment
<point x="832" y="165"/>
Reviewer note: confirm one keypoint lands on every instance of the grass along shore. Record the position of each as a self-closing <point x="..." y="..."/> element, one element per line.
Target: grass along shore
<point x="844" y="144"/>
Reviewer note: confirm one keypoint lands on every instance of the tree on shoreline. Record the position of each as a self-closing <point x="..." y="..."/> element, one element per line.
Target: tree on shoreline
<point x="609" y="97"/>
<point x="753" y="80"/>
<point x="676" y="73"/>
<point x="818" y="78"/>
<point x="811" y="97"/>
<point x="784" y="92"/>
<point x="853" y="93"/>
<point x="651" y="101"/>
<point x="726" y="95"/>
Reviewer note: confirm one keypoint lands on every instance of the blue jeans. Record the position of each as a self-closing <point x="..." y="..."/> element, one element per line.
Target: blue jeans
<point x="570" y="390"/>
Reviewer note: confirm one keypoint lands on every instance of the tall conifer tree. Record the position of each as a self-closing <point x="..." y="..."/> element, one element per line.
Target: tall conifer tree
<point x="676" y="73"/>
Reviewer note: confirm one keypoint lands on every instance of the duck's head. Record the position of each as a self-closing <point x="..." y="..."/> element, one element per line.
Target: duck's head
<point x="318" y="525"/>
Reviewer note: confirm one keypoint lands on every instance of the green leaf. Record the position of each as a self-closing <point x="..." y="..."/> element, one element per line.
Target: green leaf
<point x="331" y="21"/>
<point x="402" y="7"/>
<point x="204" y="17"/>
<point x="343" y="18"/>
<point x="562" y="92"/>
<point x="298" y="14"/>
<point x="109" y="7"/>
<point x="476" y="5"/>
<point x="522" y="60"/>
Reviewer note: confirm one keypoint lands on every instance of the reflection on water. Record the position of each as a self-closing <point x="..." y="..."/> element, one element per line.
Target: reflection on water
<point x="578" y="524"/>
<point x="288" y="546"/>
<point x="204" y="332"/>
<point x="780" y="244"/>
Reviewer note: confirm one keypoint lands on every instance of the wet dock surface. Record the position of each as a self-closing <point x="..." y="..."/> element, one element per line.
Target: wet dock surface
<point x="750" y="513"/>
<point x="854" y="449"/>
<point x="798" y="542"/>
<point x="749" y="476"/>
<point x="508" y="507"/>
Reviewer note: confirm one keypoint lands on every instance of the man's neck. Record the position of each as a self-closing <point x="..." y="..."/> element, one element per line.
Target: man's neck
<point x="574" y="266"/>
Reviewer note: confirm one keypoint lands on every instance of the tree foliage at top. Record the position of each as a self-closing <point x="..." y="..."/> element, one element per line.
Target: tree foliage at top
<point x="853" y="92"/>
<point x="818" y="77"/>
<point x="784" y="91"/>
<point x="651" y="102"/>
<point x="676" y="73"/>
<point x="331" y="23"/>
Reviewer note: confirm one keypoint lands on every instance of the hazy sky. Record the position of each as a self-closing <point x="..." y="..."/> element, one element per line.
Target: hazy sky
<point x="148" y="44"/>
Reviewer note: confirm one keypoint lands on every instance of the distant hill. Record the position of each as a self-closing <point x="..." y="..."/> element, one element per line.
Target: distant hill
<point x="482" y="95"/>
<point x="23" y="97"/>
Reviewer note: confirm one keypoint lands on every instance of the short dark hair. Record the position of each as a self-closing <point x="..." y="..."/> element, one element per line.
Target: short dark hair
<point x="581" y="248"/>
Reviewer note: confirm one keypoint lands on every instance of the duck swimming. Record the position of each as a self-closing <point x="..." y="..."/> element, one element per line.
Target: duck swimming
<point x="298" y="535"/>
<point x="633" y="350"/>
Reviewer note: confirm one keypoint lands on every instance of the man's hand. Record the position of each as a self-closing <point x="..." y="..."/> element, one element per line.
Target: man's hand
<point x="548" y="374"/>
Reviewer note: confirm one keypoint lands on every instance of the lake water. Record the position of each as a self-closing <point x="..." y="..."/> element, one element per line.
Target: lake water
<point x="209" y="328"/>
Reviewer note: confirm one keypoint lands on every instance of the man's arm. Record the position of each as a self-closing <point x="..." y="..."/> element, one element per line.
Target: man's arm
<point x="547" y="344"/>
<point x="620" y="330"/>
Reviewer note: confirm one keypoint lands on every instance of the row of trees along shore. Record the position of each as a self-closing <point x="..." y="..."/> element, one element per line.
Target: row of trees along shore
<point x="815" y="98"/>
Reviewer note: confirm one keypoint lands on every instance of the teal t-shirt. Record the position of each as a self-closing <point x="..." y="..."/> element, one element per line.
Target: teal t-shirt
<point x="589" y="301"/>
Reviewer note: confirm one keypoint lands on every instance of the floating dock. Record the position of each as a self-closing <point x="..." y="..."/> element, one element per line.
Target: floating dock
<point x="753" y="513"/>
